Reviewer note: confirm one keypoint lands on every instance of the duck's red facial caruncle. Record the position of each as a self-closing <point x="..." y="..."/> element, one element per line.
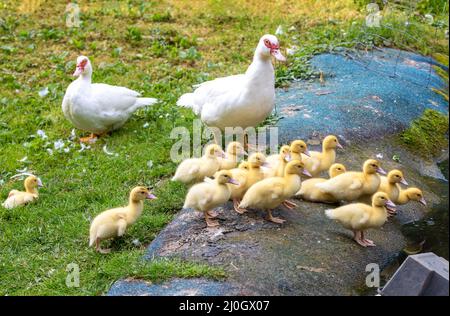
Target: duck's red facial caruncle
<point x="80" y="67"/>
<point x="274" y="50"/>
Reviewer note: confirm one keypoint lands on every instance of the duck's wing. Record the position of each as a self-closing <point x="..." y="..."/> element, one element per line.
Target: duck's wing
<point x="113" y="99"/>
<point x="218" y="93"/>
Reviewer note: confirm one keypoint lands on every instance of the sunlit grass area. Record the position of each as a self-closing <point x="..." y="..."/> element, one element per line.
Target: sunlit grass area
<point x="159" y="48"/>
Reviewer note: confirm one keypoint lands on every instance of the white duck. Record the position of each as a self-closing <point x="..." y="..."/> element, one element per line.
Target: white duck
<point x="243" y="100"/>
<point x="98" y="108"/>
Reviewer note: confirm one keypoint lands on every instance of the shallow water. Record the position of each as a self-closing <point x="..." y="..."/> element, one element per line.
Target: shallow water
<point x="433" y="228"/>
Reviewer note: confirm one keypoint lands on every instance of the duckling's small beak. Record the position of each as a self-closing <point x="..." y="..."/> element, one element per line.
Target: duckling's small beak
<point x="232" y="181"/>
<point x="339" y="146"/>
<point x="39" y="182"/>
<point x="423" y="202"/>
<point x="307" y="153"/>
<point x="381" y="171"/>
<point x="265" y="165"/>
<point x="403" y="181"/>
<point x="287" y="158"/>
<point x="150" y="196"/>
<point x="391" y="206"/>
<point x="306" y="173"/>
<point x="223" y="154"/>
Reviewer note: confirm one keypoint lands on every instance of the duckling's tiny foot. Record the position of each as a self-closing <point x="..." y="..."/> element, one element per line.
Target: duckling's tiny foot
<point x="212" y="214"/>
<point x="89" y="139"/>
<point x="104" y="251"/>
<point x="237" y="208"/>
<point x="276" y="220"/>
<point x="357" y="236"/>
<point x="369" y="242"/>
<point x="289" y="204"/>
<point x="212" y="223"/>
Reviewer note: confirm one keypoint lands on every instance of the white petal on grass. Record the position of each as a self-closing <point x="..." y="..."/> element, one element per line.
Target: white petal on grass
<point x="279" y="30"/>
<point x="136" y="242"/>
<point x="149" y="164"/>
<point x="66" y="150"/>
<point x="72" y="134"/>
<point x="22" y="170"/>
<point x="50" y="151"/>
<point x="105" y="150"/>
<point x="23" y="159"/>
<point x="41" y="134"/>
<point x="146" y="125"/>
<point x="379" y="156"/>
<point x="84" y="147"/>
<point x="43" y="92"/>
<point x="59" y="144"/>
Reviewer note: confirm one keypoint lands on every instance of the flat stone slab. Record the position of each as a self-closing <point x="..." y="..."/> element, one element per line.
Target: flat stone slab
<point x="363" y="95"/>
<point x="420" y="275"/>
<point x="175" y="287"/>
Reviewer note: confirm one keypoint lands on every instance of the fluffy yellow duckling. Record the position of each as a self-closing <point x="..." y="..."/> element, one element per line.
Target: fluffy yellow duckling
<point x="18" y="198"/>
<point x="349" y="186"/>
<point x="255" y="172"/>
<point x="206" y="196"/>
<point x="321" y="161"/>
<point x="310" y="192"/>
<point x="270" y="193"/>
<point x="277" y="163"/>
<point x="234" y="149"/>
<point x="240" y="174"/>
<point x="297" y="148"/>
<point x="389" y="184"/>
<point x="359" y="217"/>
<point x="196" y="169"/>
<point x="114" y="222"/>
<point x="411" y="194"/>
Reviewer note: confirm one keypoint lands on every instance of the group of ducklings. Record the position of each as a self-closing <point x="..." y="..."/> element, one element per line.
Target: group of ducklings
<point x="263" y="183"/>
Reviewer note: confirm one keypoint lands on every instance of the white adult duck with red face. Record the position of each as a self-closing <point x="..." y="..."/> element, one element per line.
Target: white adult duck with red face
<point x="243" y="100"/>
<point x="97" y="107"/>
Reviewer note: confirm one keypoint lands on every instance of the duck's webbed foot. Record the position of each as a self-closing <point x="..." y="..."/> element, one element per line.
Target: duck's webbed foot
<point x="273" y="219"/>
<point x="90" y="139"/>
<point x="357" y="236"/>
<point x="209" y="221"/>
<point x="212" y="214"/>
<point x="289" y="204"/>
<point x="236" y="207"/>
<point x="99" y="248"/>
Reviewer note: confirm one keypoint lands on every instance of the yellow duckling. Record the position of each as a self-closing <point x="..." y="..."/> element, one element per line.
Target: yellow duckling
<point x="114" y="222"/>
<point x="349" y="186"/>
<point x="240" y="174"/>
<point x="18" y="198"/>
<point x="321" y="161"/>
<point x="310" y="192"/>
<point x="359" y="217"/>
<point x="389" y="184"/>
<point x="196" y="169"/>
<point x="270" y="193"/>
<point x="277" y="163"/>
<point x="255" y="172"/>
<point x="411" y="194"/>
<point x="234" y="149"/>
<point x="297" y="148"/>
<point x="206" y="196"/>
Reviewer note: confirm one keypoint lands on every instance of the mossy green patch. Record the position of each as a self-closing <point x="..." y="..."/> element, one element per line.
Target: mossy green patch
<point x="427" y="135"/>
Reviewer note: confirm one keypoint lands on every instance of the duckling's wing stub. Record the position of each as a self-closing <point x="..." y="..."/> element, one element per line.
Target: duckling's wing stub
<point x="356" y="184"/>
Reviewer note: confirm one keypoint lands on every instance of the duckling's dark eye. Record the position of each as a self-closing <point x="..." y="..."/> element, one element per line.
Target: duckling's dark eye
<point x="374" y="166"/>
<point x="382" y="198"/>
<point x="418" y="195"/>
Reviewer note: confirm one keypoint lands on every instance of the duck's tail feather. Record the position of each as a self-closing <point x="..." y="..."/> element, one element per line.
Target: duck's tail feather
<point x="140" y="102"/>
<point x="330" y="213"/>
<point x="186" y="100"/>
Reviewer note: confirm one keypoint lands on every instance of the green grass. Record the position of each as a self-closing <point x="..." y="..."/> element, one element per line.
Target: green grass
<point x="428" y="134"/>
<point x="159" y="48"/>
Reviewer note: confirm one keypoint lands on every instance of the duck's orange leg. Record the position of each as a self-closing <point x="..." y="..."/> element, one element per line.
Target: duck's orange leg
<point x="90" y="139"/>
<point x="210" y="222"/>
<point x="274" y="219"/>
